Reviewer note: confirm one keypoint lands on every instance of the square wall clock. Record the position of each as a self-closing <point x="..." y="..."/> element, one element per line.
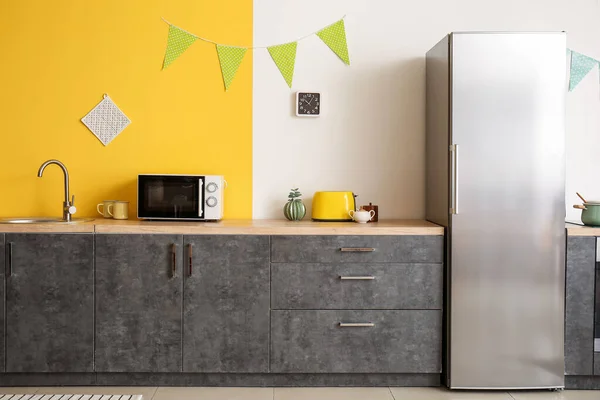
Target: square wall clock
<point x="308" y="104"/>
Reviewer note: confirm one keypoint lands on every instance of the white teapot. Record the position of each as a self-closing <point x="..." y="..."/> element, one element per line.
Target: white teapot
<point x="361" y="216"/>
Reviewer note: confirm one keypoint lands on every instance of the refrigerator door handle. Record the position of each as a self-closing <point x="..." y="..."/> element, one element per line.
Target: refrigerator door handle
<point x="454" y="177"/>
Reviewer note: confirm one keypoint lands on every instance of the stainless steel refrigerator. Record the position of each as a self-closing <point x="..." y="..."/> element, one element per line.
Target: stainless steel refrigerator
<point x="495" y="179"/>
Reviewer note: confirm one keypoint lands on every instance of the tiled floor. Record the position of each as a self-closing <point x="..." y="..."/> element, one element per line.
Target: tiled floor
<point x="211" y="393"/>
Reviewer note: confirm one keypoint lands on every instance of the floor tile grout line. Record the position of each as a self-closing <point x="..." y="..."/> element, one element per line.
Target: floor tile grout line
<point x="153" y="394"/>
<point x="392" y="393"/>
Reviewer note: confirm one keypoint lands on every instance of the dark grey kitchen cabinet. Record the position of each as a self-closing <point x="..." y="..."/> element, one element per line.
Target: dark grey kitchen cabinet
<point x="226" y="303"/>
<point x="346" y="249"/>
<point x="359" y="286"/>
<point x="2" y="266"/>
<point x="356" y="341"/>
<point x="49" y="302"/>
<point x="138" y="303"/>
<point x="579" y="305"/>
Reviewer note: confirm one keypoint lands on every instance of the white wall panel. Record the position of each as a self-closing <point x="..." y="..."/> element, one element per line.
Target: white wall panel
<point x="371" y="136"/>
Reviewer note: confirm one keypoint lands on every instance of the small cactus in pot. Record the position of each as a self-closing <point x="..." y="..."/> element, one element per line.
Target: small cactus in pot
<point x="294" y="209"/>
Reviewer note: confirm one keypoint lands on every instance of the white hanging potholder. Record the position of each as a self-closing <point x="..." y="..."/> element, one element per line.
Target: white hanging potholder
<point x="106" y="120"/>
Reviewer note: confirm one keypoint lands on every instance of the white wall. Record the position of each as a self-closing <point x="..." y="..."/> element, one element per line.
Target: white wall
<point x="371" y="137"/>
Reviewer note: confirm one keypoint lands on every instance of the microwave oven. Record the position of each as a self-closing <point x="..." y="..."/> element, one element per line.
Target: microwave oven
<point x="180" y="197"/>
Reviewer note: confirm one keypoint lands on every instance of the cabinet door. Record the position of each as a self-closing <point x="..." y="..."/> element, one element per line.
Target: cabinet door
<point x="356" y="286"/>
<point x="49" y="303"/>
<point x="138" y="303"/>
<point x="356" y="341"/>
<point x="2" y="266"/>
<point x="339" y="249"/>
<point x="597" y="318"/>
<point x="579" y="306"/>
<point x="226" y="304"/>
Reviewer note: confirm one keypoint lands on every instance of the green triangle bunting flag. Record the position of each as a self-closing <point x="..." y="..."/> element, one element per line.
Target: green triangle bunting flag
<point x="230" y="59"/>
<point x="581" y="65"/>
<point x="177" y="42"/>
<point x="284" y="56"/>
<point x="334" y="36"/>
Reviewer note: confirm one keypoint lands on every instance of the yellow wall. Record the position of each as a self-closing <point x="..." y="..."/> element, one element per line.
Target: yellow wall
<point x="60" y="57"/>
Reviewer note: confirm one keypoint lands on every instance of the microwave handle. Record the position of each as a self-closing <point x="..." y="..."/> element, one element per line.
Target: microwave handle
<point x="200" y="193"/>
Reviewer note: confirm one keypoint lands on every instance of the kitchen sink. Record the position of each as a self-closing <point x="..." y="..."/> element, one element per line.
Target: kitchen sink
<point x="42" y="220"/>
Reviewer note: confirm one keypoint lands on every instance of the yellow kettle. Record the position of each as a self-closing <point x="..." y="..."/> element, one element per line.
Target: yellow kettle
<point x="333" y="206"/>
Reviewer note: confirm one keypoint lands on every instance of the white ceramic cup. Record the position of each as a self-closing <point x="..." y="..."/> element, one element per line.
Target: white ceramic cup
<point x="362" y="217"/>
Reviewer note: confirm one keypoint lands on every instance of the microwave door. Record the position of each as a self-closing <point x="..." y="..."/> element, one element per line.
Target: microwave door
<point x="170" y="197"/>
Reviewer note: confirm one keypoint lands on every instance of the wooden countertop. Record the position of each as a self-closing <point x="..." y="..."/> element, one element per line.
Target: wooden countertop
<point x="581" y="230"/>
<point x="257" y="227"/>
<point x="236" y="227"/>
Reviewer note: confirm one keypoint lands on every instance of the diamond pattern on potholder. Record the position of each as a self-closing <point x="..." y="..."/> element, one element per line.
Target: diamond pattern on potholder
<point x="106" y="120"/>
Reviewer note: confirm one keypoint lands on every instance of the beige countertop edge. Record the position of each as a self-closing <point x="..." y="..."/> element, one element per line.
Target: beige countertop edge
<point x="87" y="227"/>
<point x="579" y="230"/>
<point x="236" y="227"/>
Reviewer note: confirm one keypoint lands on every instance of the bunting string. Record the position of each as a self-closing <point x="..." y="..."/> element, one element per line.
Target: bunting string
<point x="283" y="54"/>
<point x="252" y="47"/>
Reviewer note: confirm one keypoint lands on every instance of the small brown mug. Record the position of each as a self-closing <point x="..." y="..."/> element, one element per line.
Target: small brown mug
<point x="371" y="207"/>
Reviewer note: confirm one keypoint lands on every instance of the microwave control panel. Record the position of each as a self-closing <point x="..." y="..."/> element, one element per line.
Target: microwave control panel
<point x="213" y="197"/>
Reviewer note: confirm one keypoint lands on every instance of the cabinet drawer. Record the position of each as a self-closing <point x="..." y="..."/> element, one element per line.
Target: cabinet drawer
<point x="387" y="249"/>
<point x="226" y="249"/>
<point x="356" y="286"/>
<point x="404" y="341"/>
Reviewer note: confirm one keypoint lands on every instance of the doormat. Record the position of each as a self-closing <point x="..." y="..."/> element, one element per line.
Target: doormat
<point x="70" y="397"/>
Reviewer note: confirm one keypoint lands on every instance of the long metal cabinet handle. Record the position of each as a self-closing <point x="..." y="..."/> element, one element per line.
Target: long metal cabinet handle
<point x="357" y="278"/>
<point x="173" y="260"/>
<point x="9" y="257"/>
<point x="190" y="247"/>
<point x="454" y="177"/>
<point x="356" y="324"/>
<point x="357" y="249"/>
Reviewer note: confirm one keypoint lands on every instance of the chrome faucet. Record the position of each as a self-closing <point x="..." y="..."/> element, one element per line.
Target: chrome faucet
<point x="68" y="207"/>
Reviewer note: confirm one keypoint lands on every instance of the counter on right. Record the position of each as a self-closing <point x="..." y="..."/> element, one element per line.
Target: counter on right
<point x="582" y="308"/>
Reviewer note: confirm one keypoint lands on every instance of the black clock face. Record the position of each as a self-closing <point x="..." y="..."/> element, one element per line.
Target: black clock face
<point x="308" y="104"/>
